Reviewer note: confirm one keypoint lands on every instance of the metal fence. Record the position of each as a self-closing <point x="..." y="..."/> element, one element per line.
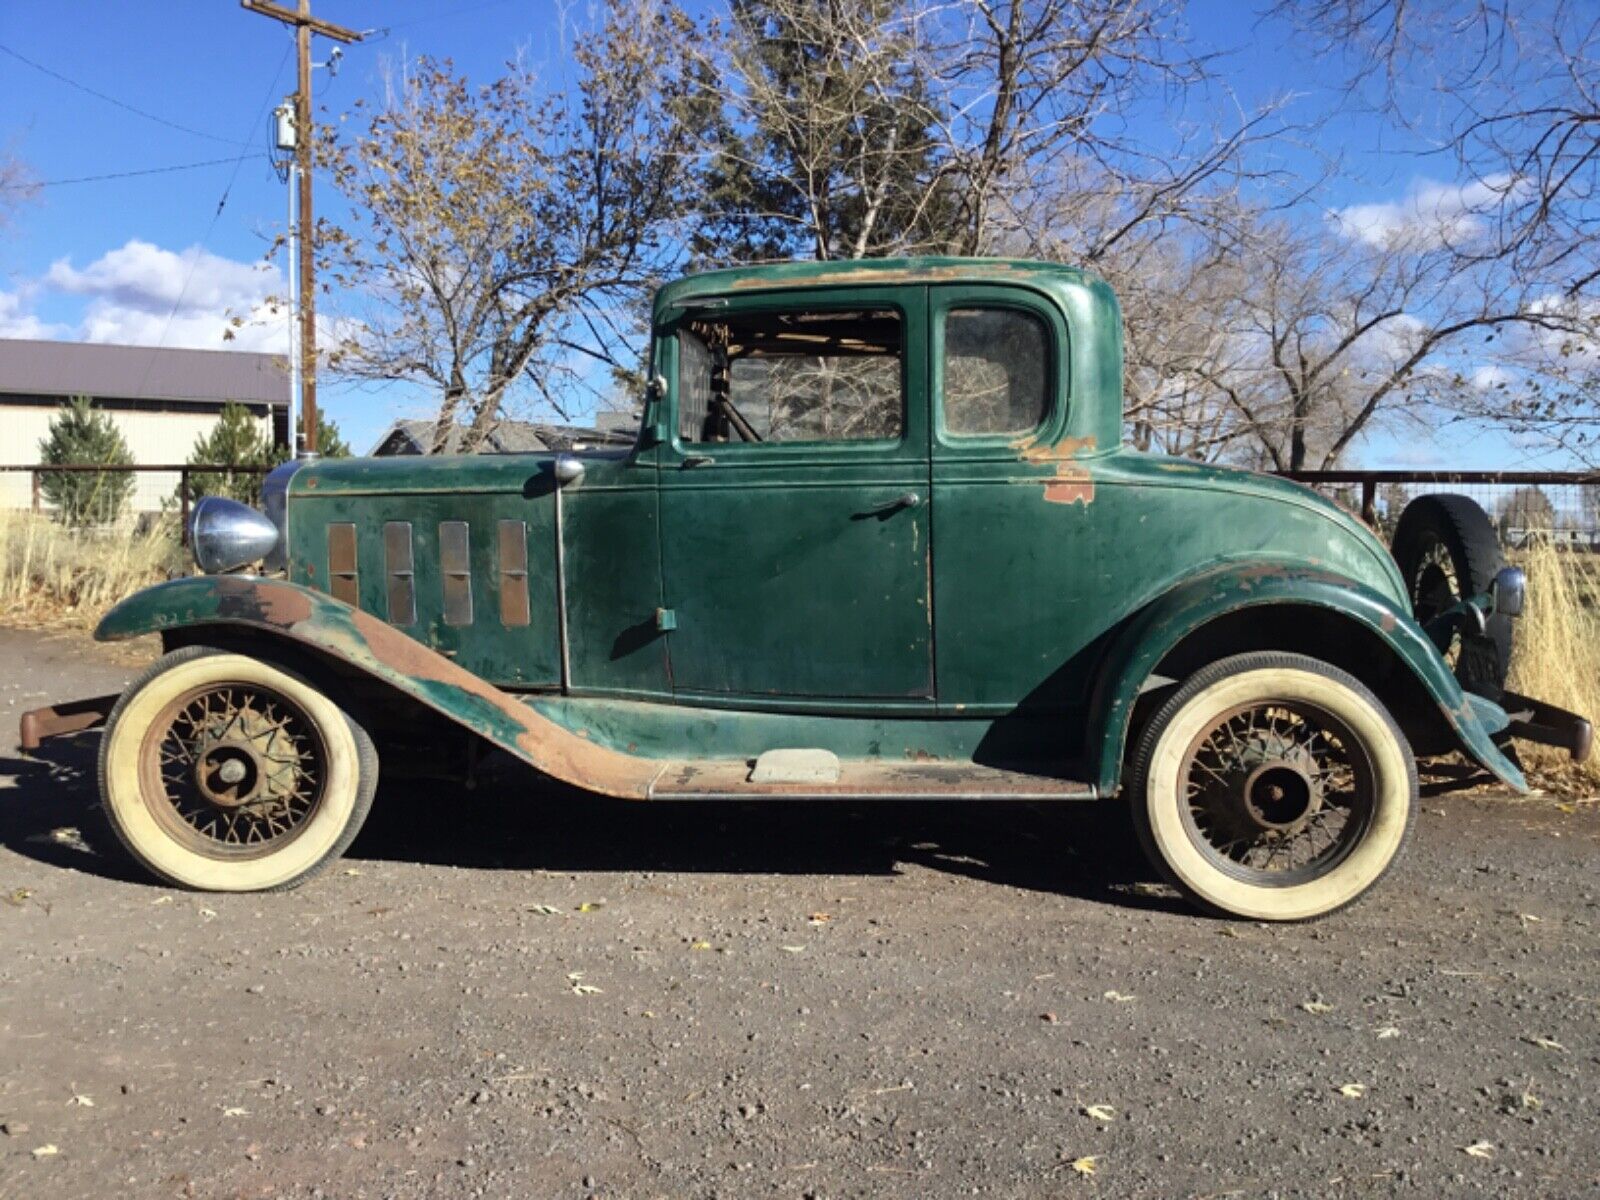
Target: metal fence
<point x="157" y="489"/>
<point x="1558" y="507"/>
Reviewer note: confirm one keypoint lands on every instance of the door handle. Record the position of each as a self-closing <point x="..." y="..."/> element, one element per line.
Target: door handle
<point x="904" y="500"/>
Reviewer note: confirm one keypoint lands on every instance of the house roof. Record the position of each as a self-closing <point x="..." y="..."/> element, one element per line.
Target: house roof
<point x="39" y="368"/>
<point x="507" y="437"/>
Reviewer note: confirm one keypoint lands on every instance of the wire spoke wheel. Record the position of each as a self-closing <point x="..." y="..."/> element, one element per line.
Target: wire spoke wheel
<point x="1272" y="786"/>
<point x="1276" y="793"/>
<point x="234" y="770"/>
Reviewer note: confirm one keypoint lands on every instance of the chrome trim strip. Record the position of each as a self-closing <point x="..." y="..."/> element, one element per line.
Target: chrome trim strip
<point x="561" y="595"/>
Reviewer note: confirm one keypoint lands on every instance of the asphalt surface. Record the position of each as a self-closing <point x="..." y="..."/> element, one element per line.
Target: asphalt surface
<point x="523" y="991"/>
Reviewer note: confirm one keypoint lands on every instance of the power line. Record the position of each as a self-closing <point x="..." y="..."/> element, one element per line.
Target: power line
<point x="210" y="162"/>
<point x="83" y="87"/>
<point x="188" y="278"/>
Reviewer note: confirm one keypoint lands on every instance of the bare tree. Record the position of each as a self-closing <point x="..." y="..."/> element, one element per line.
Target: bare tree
<point x="502" y="229"/>
<point x="16" y="186"/>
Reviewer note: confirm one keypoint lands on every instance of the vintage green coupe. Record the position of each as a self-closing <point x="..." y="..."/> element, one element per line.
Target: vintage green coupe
<point x="877" y="538"/>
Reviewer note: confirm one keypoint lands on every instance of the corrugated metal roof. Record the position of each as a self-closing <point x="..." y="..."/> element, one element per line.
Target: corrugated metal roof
<point x="35" y="368"/>
<point x="505" y="437"/>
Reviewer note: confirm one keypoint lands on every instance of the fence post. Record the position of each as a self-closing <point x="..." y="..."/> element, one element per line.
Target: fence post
<point x="1369" y="501"/>
<point x="37" y="497"/>
<point x="183" y="507"/>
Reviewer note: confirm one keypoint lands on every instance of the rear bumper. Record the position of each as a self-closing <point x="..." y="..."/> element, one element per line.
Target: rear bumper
<point x="1535" y="721"/>
<point x="72" y="717"/>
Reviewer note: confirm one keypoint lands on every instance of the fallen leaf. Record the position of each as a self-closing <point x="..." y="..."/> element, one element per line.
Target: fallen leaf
<point x="579" y="988"/>
<point x="236" y="1112"/>
<point x="1387" y="1032"/>
<point x="1353" y="1090"/>
<point x="1529" y="1100"/>
<point x="1116" y="997"/>
<point x="1480" y="1149"/>
<point x="208" y="913"/>
<point x="1100" y="1112"/>
<point x="1049" y="1018"/>
<point x="1317" y="1007"/>
<point x="591" y="905"/>
<point x="1545" y="1043"/>
<point x="1084" y="1165"/>
<point x="791" y="949"/>
<point x="161" y="900"/>
<point x="81" y="1101"/>
<point x="48" y="1150"/>
<point x="820" y="918"/>
<point x="19" y="896"/>
<point x="544" y="910"/>
<point x="352" y="870"/>
<point x="699" y="945"/>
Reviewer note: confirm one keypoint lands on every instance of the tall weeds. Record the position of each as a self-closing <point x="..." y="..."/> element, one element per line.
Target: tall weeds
<point x="51" y="574"/>
<point x="1556" y="657"/>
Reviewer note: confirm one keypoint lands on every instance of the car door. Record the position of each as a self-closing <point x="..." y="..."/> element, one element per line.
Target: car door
<point x="795" y="515"/>
<point x="1009" y="568"/>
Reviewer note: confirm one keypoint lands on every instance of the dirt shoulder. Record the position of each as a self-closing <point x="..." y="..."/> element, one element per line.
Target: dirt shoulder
<point x="521" y="990"/>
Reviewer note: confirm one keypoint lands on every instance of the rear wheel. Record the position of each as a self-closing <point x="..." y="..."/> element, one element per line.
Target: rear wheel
<point x="222" y="772"/>
<point x="1447" y="548"/>
<point x="1272" y="787"/>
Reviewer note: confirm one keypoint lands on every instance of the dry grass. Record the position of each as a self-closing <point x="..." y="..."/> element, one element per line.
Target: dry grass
<point x="52" y="575"/>
<point x="1557" y="653"/>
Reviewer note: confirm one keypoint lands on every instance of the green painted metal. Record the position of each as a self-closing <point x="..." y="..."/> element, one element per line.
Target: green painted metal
<point x="1189" y="605"/>
<point x="1011" y="616"/>
<point x="791" y="572"/>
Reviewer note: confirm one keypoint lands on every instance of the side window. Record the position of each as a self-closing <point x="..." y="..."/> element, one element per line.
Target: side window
<point x="995" y="360"/>
<point x="791" y="377"/>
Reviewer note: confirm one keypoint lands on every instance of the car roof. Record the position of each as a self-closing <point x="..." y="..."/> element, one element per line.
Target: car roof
<point x="880" y="272"/>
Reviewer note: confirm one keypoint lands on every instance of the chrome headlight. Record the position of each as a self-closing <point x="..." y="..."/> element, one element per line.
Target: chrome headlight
<point x="227" y="535"/>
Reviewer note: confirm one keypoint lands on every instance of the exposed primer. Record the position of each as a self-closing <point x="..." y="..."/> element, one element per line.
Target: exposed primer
<point x="1072" y="483"/>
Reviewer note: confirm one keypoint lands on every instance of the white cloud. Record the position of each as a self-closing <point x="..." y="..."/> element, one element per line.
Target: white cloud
<point x="17" y="322"/>
<point x="1431" y="214"/>
<point x="143" y="295"/>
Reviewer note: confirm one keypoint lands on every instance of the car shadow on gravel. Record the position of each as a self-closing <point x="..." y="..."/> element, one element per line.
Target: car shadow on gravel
<point x="514" y="820"/>
<point x="51" y="810"/>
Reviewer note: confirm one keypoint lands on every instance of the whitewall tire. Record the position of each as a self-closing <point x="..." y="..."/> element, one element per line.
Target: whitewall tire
<point x="223" y="772"/>
<point x="1272" y="787"/>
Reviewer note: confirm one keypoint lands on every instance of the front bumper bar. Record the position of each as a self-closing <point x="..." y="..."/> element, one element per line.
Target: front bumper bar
<point x="1535" y="721"/>
<point x="72" y="717"/>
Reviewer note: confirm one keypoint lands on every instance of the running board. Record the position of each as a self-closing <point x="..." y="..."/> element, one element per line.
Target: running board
<point x="865" y="779"/>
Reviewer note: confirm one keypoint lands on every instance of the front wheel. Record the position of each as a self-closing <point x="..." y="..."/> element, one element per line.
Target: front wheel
<point x="1273" y="787"/>
<point x="225" y="773"/>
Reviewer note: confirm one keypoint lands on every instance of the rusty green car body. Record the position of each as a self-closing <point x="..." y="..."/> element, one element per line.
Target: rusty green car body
<point x="949" y="612"/>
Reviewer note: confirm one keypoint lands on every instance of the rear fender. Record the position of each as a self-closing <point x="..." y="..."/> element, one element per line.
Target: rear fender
<point x="332" y="628"/>
<point x="1159" y="627"/>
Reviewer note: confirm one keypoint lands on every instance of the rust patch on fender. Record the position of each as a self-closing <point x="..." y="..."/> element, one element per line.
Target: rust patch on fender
<point x="1070" y="486"/>
<point x="1389" y="623"/>
<point x="365" y="641"/>
<point x="1072" y="483"/>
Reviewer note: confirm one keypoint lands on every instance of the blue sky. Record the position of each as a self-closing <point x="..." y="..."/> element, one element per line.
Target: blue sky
<point x="150" y="259"/>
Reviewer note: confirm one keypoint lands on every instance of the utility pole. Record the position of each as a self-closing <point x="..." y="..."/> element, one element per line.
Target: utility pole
<point x="304" y="26"/>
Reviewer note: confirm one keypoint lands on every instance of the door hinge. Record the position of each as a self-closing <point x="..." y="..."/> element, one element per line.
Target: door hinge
<point x="666" y="619"/>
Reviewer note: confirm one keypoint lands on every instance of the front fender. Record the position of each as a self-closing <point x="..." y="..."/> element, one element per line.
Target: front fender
<point x="335" y="629"/>
<point x="1158" y="628"/>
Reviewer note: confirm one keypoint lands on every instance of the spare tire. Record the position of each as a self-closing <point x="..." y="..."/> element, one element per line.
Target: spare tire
<point x="1446" y="548"/>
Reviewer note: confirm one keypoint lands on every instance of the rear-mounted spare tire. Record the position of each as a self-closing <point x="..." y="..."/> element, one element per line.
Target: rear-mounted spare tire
<point x="1446" y="548"/>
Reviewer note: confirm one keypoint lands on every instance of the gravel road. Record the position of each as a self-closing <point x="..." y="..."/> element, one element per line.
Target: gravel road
<point x="521" y="991"/>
